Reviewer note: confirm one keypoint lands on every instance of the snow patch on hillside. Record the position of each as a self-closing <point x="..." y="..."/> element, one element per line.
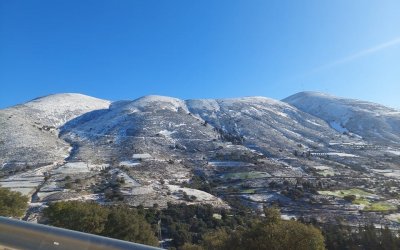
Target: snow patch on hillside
<point x="201" y="196"/>
<point x="155" y="102"/>
<point x="338" y="127"/>
<point x="366" y="119"/>
<point x="56" y="110"/>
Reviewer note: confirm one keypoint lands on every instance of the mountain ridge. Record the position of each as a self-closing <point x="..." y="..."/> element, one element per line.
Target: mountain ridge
<point x="367" y="119"/>
<point x="289" y="120"/>
<point x="153" y="149"/>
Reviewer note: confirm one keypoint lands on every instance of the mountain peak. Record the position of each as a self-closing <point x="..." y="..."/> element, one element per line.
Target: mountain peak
<point x="308" y="94"/>
<point x="63" y="99"/>
<point x="57" y="109"/>
<point x="155" y="102"/>
<point x="367" y="119"/>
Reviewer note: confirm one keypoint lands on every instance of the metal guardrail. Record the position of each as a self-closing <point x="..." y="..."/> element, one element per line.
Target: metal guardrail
<point x="15" y="234"/>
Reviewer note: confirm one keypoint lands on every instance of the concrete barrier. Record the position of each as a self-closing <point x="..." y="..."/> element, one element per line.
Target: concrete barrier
<point x="16" y="234"/>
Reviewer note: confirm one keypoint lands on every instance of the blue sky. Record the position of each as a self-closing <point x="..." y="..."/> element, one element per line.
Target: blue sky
<point x="199" y="49"/>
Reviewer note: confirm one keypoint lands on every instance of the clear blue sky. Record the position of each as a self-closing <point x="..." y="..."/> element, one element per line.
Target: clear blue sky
<point x="120" y="49"/>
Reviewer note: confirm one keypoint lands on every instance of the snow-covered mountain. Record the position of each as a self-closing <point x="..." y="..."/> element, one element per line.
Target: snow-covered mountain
<point x="45" y="129"/>
<point x="164" y="126"/>
<point x="374" y="122"/>
<point x="56" y="110"/>
<point x="272" y="126"/>
<point x="146" y="151"/>
<point x="29" y="131"/>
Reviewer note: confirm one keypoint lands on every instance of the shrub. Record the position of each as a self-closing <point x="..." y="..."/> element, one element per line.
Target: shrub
<point x="350" y="198"/>
<point x="12" y="204"/>
<point x="119" y="222"/>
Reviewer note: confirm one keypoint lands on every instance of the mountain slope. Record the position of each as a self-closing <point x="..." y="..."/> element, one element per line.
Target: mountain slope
<point x="45" y="128"/>
<point x="272" y="126"/>
<point x="158" y="149"/>
<point x="374" y="122"/>
<point x="195" y="129"/>
<point x="152" y="124"/>
<point x="29" y="131"/>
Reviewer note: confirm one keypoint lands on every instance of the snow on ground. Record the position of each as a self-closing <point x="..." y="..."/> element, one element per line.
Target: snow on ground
<point x="313" y="123"/>
<point x="166" y="133"/>
<point x="26" y="182"/>
<point x="394" y="217"/>
<point x="79" y="167"/>
<point x="359" y="193"/>
<point x="366" y="119"/>
<point x="129" y="163"/>
<point x="179" y="176"/>
<point x="394" y="174"/>
<point x="252" y="111"/>
<point x="37" y="204"/>
<point x="204" y="104"/>
<point x="73" y="168"/>
<point x="40" y="171"/>
<point x="382" y="171"/>
<point x="338" y="127"/>
<point x="324" y="170"/>
<point x="388" y="172"/>
<point x="341" y="154"/>
<point x="296" y="170"/>
<point x="22" y="183"/>
<point x="142" y="156"/>
<point x="23" y="190"/>
<point x="265" y="197"/>
<point x="87" y="197"/>
<point x="60" y="108"/>
<point x="50" y="186"/>
<point x="293" y="133"/>
<point x="142" y="190"/>
<point x="43" y="195"/>
<point x="395" y="152"/>
<point x="229" y="164"/>
<point x="98" y="167"/>
<point x="353" y="143"/>
<point x="288" y="217"/>
<point x="201" y="196"/>
<point x="179" y="125"/>
<point x="161" y="102"/>
<point x="128" y="181"/>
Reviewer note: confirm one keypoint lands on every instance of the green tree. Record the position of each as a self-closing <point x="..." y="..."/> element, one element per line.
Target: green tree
<point x="388" y="240"/>
<point x="350" y="198"/>
<point x="272" y="233"/>
<point x="119" y="222"/>
<point x="127" y="224"/>
<point x="188" y="246"/>
<point x="218" y="239"/>
<point x="272" y="215"/>
<point x="369" y="238"/>
<point x="12" y="204"/>
<point x="87" y="217"/>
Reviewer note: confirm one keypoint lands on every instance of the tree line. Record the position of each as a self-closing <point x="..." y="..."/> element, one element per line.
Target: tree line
<point x="196" y="227"/>
<point x="189" y="226"/>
